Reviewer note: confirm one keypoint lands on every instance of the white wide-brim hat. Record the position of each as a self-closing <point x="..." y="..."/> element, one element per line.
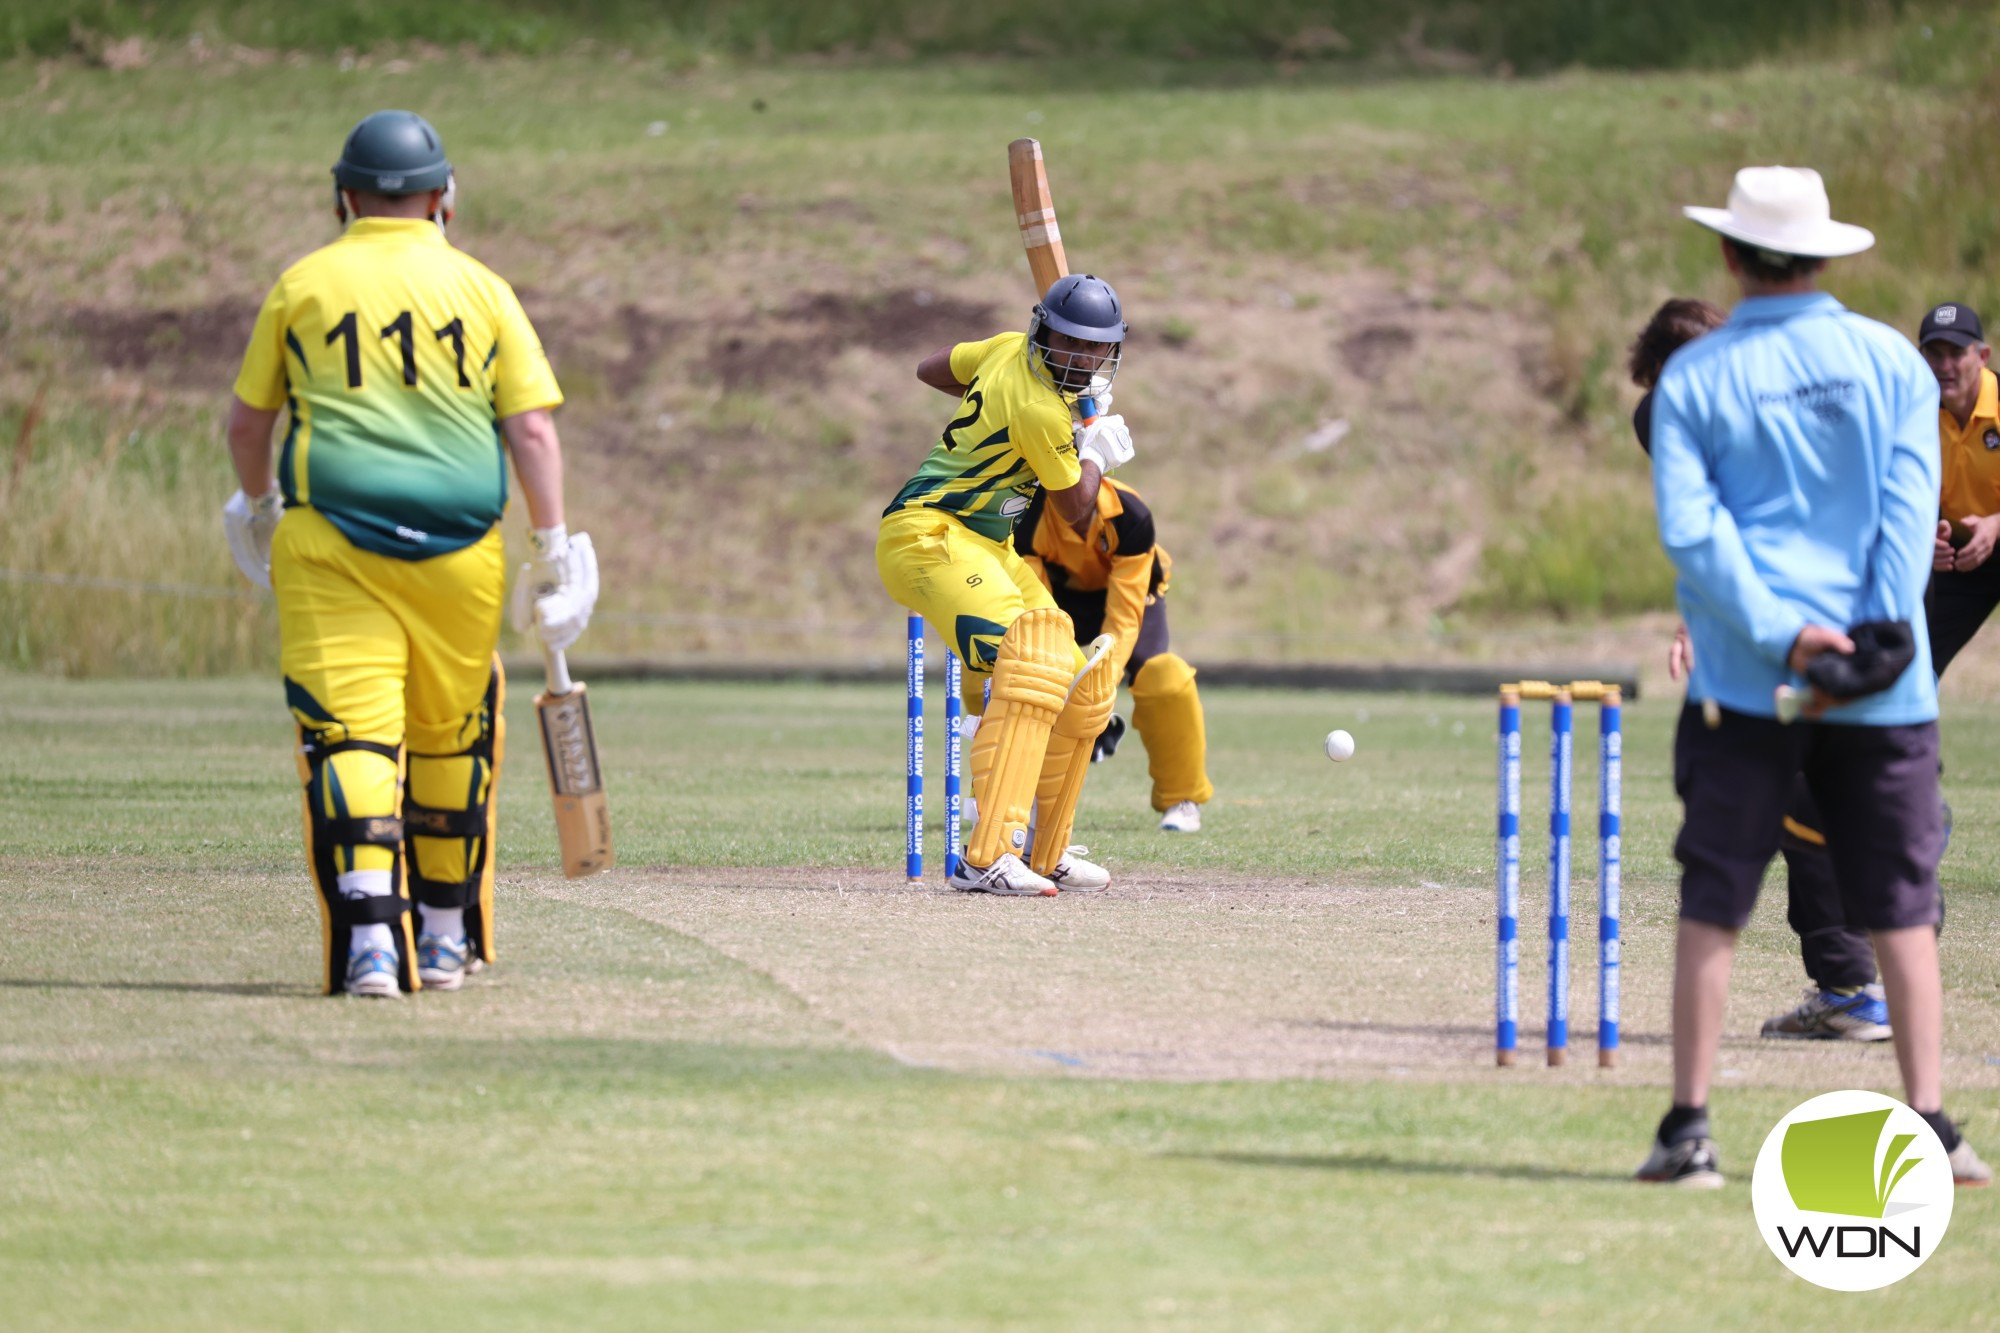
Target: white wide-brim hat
<point x="1783" y="209"/>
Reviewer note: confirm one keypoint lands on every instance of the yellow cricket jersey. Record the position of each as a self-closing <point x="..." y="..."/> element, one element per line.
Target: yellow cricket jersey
<point x="397" y="355"/>
<point x="1117" y="557"/>
<point x="1972" y="456"/>
<point x="1011" y="434"/>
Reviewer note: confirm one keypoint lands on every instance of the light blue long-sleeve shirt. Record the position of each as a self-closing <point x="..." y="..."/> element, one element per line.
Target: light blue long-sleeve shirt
<point x="1796" y="473"/>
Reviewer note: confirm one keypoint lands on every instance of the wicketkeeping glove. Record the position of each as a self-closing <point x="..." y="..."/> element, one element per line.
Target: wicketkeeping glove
<point x="249" y="525"/>
<point x="1105" y="442"/>
<point x="557" y="588"/>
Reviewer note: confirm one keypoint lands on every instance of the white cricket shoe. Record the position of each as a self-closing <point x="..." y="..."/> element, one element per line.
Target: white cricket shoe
<point x="1009" y="876"/>
<point x="372" y="973"/>
<point x="1182" y="818"/>
<point x="443" y="963"/>
<point x="1073" y="874"/>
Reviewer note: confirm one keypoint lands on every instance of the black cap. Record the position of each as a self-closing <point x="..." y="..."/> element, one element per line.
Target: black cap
<point x="1952" y="323"/>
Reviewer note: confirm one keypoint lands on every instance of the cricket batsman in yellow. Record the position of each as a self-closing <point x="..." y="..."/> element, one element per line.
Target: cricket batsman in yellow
<point x="945" y="551"/>
<point x="408" y="371"/>
<point x="1111" y="577"/>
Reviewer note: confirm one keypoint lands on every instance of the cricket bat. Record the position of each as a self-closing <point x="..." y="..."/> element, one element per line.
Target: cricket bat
<point x="1041" y="237"/>
<point x="1035" y="211"/>
<point x="576" y="780"/>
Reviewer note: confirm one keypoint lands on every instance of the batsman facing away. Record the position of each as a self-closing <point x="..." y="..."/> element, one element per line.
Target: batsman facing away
<point x="407" y="367"/>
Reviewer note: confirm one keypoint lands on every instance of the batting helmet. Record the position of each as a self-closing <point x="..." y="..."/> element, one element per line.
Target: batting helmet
<point x="1083" y="306"/>
<point x="392" y="152"/>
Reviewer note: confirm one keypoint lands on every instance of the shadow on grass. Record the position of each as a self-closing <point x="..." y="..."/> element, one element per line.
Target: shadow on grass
<point x="266" y="989"/>
<point x="1376" y="1162"/>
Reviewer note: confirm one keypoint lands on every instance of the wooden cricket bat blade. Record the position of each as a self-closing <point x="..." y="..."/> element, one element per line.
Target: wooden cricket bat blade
<point x="576" y="781"/>
<point x="1035" y="212"/>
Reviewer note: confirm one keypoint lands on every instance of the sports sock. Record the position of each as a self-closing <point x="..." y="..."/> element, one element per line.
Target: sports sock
<point x="1946" y="1131"/>
<point x="1684" y="1122"/>
<point x="446" y="921"/>
<point x="1844" y="992"/>
<point x="367" y="884"/>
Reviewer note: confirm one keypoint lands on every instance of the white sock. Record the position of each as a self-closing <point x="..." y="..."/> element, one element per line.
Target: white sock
<point x="446" y="921"/>
<point x="367" y="884"/>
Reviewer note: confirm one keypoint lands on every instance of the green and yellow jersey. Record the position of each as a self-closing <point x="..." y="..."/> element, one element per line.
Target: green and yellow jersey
<point x="397" y="355"/>
<point x="1011" y="434"/>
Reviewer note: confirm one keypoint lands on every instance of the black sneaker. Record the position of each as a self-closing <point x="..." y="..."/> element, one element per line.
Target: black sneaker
<point x="1691" y="1163"/>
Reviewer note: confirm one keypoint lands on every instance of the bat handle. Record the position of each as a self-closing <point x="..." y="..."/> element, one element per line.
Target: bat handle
<point x="1086" y="411"/>
<point x="558" y="671"/>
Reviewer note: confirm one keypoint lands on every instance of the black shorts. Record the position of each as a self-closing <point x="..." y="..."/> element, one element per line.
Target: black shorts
<point x="1877" y="791"/>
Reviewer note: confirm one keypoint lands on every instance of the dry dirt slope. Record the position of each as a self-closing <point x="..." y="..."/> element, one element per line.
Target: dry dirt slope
<point x="1338" y="405"/>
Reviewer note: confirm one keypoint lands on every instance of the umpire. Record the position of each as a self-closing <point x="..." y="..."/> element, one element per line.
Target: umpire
<point x="405" y="367"/>
<point x="1795" y="472"/>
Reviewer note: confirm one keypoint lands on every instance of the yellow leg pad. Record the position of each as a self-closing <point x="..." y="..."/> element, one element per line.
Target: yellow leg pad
<point x="352" y="794"/>
<point x="452" y="820"/>
<point x="1031" y="676"/>
<point x="1166" y="710"/>
<point x="1068" y="761"/>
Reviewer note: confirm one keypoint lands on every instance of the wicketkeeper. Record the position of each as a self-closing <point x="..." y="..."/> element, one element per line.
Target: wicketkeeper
<point x="1111" y="578"/>
<point x="944" y="550"/>
<point x="405" y="366"/>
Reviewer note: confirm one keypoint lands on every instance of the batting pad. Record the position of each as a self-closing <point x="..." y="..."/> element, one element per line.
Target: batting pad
<point x="1067" y="760"/>
<point x="450" y="821"/>
<point x="1031" y="677"/>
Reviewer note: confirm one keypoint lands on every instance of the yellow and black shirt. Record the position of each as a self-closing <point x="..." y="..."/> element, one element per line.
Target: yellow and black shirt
<point x="1972" y="456"/>
<point x="1116" y="558"/>
<point x="397" y="355"/>
<point x="1011" y="435"/>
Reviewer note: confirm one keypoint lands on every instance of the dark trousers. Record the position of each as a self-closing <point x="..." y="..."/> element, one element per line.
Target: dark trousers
<point x="1956" y="605"/>
<point x="1836" y="958"/>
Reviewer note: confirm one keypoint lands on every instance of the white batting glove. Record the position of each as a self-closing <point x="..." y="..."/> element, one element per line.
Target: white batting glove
<point x="557" y="588"/>
<point x="1105" y="442"/>
<point x="249" y="525"/>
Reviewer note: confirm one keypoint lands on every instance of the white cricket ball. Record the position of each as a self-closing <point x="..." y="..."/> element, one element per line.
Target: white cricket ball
<point x="1339" y="746"/>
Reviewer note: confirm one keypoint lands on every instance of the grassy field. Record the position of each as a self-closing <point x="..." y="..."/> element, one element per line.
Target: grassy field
<point x="752" y="1080"/>
<point x="736" y="266"/>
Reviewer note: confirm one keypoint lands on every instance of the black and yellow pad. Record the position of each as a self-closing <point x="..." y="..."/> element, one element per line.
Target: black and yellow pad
<point x="1031" y="678"/>
<point x="450" y="819"/>
<point x="1167" y="712"/>
<point x="1067" y="760"/>
<point x="335" y="839"/>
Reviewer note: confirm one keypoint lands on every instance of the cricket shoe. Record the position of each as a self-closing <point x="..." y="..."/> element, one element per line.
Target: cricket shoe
<point x="1691" y="1164"/>
<point x="442" y="962"/>
<point x="1184" y="817"/>
<point x="372" y="972"/>
<point x="1825" y="1016"/>
<point x="1966" y="1168"/>
<point x="1073" y="874"/>
<point x="1009" y="877"/>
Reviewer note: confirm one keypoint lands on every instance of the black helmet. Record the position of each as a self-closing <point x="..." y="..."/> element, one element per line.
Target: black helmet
<point x="392" y="152"/>
<point x="1083" y="306"/>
